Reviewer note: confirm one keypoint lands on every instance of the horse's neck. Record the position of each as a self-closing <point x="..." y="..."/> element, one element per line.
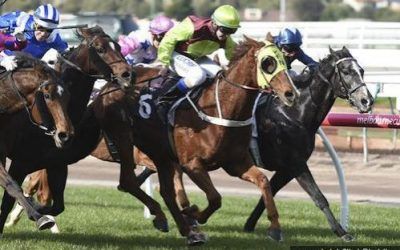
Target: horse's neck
<point x="80" y="86"/>
<point x="312" y="106"/>
<point x="10" y="101"/>
<point x="235" y="103"/>
<point x="320" y="101"/>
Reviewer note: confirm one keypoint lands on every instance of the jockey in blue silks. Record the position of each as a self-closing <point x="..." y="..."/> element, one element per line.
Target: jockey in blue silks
<point x="289" y="41"/>
<point x="42" y="34"/>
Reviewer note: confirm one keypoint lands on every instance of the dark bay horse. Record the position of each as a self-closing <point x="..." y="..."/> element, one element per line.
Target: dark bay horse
<point x="98" y="56"/>
<point x="286" y="135"/>
<point x="148" y="131"/>
<point x="34" y="89"/>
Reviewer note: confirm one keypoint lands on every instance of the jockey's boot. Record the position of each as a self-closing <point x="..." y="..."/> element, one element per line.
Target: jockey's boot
<point x="165" y="100"/>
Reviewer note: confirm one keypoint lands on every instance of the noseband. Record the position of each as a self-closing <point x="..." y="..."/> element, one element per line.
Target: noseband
<point x="337" y="72"/>
<point x="28" y="108"/>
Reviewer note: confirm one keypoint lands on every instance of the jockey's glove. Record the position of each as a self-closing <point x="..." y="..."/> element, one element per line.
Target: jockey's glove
<point x="9" y="63"/>
<point x="20" y="37"/>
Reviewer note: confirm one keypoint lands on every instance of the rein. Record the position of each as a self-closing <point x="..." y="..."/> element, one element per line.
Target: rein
<point x="337" y="72"/>
<point x="243" y="86"/>
<point x="112" y="76"/>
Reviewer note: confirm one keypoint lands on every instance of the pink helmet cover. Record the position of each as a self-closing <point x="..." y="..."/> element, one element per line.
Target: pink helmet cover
<point x="160" y="25"/>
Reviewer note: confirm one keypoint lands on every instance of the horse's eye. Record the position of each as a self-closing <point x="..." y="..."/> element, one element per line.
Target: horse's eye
<point x="269" y="65"/>
<point x="46" y="96"/>
<point x="100" y="50"/>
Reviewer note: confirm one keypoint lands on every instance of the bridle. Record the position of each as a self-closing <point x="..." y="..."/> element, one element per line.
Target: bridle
<point x="25" y="102"/>
<point x="344" y="86"/>
<point x="92" y="52"/>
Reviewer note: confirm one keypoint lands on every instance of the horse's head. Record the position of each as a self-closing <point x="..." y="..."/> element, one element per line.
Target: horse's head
<point x="345" y="75"/>
<point x="262" y="65"/>
<point x="46" y="98"/>
<point x="102" y="56"/>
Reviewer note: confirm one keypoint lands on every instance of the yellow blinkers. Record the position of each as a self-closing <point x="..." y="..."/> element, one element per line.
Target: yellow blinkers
<point x="270" y="62"/>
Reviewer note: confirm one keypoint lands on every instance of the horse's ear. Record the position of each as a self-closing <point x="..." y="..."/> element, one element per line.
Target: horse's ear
<point x="269" y="37"/>
<point x="331" y="50"/>
<point x="345" y="49"/>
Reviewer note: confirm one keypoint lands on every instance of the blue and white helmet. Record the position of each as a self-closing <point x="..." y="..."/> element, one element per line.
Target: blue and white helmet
<point x="47" y="16"/>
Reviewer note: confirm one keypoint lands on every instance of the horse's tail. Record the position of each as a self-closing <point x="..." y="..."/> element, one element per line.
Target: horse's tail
<point x="87" y="136"/>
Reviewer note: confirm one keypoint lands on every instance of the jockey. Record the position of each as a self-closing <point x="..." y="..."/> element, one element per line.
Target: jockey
<point x="185" y="47"/>
<point x="289" y="41"/>
<point x="9" y="42"/>
<point x="39" y="28"/>
<point x="139" y="47"/>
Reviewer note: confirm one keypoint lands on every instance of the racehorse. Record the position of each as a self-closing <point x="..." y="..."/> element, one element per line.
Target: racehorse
<point x="240" y="93"/>
<point x="34" y="88"/>
<point x="286" y="135"/>
<point x="222" y="138"/>
<point x="98" y="56"/>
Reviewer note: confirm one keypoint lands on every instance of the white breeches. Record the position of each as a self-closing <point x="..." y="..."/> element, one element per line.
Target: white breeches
<point x="194" y="72"/>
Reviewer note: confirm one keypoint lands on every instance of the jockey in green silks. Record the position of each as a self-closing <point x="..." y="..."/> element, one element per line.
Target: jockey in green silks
<point x="185" y="47"/>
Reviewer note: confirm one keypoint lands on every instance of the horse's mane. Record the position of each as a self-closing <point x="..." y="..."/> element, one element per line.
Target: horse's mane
<point x="243" y="47"/>
<point x="25" y="60"/>
<point x="94" y="31"/>
<point x="326" y="61"/>
<point x="304" y="79"/>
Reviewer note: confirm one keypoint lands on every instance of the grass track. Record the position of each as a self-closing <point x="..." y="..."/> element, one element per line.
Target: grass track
<point x="103" y="218"/>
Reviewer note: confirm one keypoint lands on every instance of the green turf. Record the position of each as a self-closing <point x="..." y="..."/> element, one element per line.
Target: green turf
<point x="103" y="218"/>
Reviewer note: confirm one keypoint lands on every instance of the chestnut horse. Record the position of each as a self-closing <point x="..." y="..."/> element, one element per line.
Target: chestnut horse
<point x="221" y="139"/>
<point x="98" y="56"/>
<point x="148" y="131"/>
<point x="34" y="88"/>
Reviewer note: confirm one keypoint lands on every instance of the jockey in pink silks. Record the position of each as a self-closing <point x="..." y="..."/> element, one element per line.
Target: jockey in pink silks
<point x="141" y="47"/>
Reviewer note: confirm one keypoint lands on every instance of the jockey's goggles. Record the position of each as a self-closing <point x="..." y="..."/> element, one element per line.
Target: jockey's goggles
<point x="226" y="30"/>
<point x="41" y="28"/>
<point x="158" y="37"/>
<point x="290" y="48"/>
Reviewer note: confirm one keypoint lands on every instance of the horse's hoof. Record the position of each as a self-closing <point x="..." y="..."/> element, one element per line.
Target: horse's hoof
<point x="275" y="234"/>
<point x="45" y="222"/>
<point x="248" y="228"/>
<point x="161" y="225"/>
<point x="196" y="238"/>
<point x="121" y="189"/>
<point x="347" y="238"/>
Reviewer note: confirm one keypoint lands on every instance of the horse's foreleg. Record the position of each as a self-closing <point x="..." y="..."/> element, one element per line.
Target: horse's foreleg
<point x="254" y="175"/>
<point x="53" y="186"/>
<point x="278" y="180"/>
<point x="181" y="196"/>
<point x="199" y="175"/>
<point x="129" y="183"/>
<point x="308" y="183"/>
<point x="167" y="191"/>
<point x="14" y="191"/>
